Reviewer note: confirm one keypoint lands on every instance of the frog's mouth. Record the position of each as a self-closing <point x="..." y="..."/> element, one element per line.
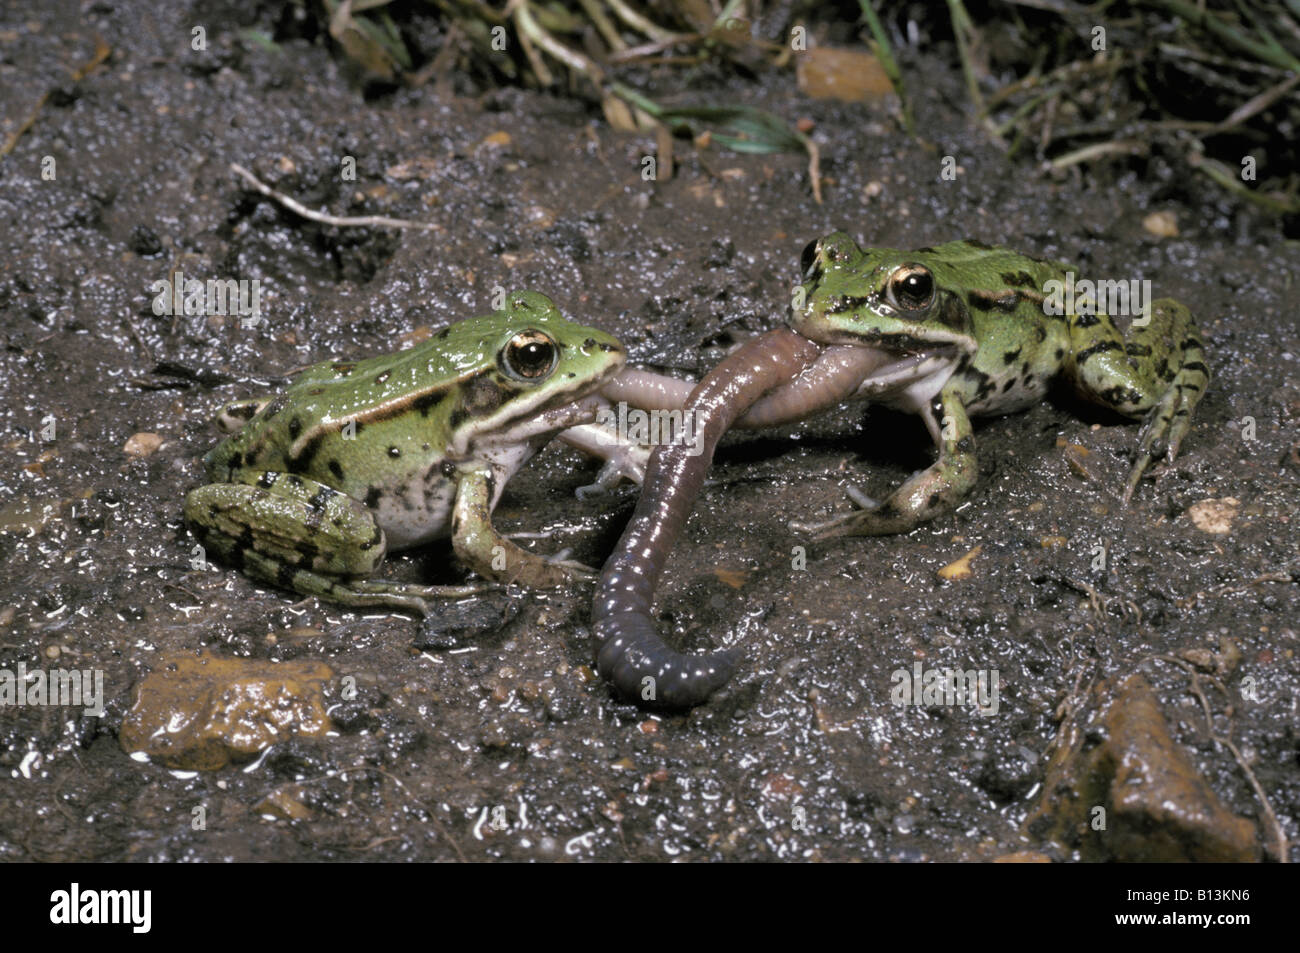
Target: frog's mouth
<point x="910" y="380"/>
<point x="904" y="370"/>
<point x="535" y="420"/>
<point x="903" y="341"/>
<point x="537" y="428"/>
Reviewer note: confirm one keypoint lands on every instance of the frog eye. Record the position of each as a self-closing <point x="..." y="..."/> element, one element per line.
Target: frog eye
<point x="808" y="260"/>
<point x="530" y="356"/>
<point x="911" y="288"/>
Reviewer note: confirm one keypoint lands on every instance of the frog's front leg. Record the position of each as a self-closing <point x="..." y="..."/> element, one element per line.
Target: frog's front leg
<point x="925" y="494"/>
<point x="624" y="460"/>
<point x="1158" y="371"/>
<point x="487" y="552"/>
<point x="298" y="534"/>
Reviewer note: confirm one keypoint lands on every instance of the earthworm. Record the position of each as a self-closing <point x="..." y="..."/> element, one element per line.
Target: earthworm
<point x="804" y="378"/>
<point x="834" y="376"/>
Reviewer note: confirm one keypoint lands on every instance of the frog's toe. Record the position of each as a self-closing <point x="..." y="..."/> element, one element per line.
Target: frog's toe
<point x="590" y="491"/>
<point x="1135" y="476"/>
<point x="876" y="522"/>
<point x="875" y="519"/>
<point x="628" y="462"/>
<point x="576" y="569"/>
<point x="861" y="499"/>
<point x="1162" y="434"/>
<point x="921" y="498"/>
<point x="421" y="592"/>
<point x="548" y="572"/>
<point x="841" y="525"/>
<point x="539" y="571"/>
<point x="560" y="560"/>
<point x="823" y="529"/>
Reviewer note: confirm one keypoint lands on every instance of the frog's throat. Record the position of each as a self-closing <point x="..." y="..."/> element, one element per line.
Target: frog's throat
<point x="927" y="371"/>
<point x="912" y="382"/>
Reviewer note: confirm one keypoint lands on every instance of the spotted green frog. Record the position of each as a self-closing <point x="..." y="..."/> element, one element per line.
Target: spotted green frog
<point x="975" y="329"/>
<point x="355" y="459"/>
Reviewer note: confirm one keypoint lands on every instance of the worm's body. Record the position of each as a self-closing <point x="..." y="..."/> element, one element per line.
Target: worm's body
<point x="633" y="656"/>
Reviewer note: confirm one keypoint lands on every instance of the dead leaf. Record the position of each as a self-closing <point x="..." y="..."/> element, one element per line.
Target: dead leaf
<point x="960" y="568"/>
<point x="852" y="76"/>
<point x="1214" y="516"/>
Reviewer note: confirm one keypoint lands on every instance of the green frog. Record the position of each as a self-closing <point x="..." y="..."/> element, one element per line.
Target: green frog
<point x="983" y="330"/>
<point x="355" y="459"/>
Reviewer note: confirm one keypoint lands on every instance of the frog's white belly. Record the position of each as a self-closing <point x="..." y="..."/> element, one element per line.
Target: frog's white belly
<point x="418" y="515"/>
<point x="419" y="511"/>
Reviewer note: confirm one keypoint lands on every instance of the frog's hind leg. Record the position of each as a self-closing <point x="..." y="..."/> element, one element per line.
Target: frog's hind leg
<point x="298" y="534"/>
<point x="1159" y="372"/>
<point x="360" y="593"/>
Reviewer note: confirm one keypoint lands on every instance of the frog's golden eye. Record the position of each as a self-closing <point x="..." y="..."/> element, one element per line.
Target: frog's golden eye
<point x="530" y="356"/>
<point x="911" y="288"/>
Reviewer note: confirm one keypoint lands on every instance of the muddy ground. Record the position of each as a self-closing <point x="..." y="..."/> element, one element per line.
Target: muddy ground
<point x="484" y="734"/>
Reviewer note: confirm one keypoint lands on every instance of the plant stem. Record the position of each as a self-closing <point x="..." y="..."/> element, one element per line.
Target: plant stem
<point x="886" y="56"/>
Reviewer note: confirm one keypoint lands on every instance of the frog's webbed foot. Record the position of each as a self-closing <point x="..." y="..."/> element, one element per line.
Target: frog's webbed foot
<point x="540" y="572"/>
<point x="1166" y="425"/>
<point x="924" y="496"/>
<point x="578" y="570"/>
<point x="1158" y="370"/>
<point x="409" y="597"/>
<point x="628" y="464"/>
<point x="623" y="460"/>
<point x="860" y="499"/>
